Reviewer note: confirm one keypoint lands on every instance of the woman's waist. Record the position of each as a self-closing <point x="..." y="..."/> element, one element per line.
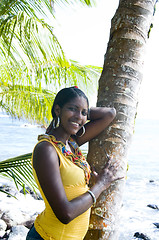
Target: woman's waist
<point x="50" y="224"/>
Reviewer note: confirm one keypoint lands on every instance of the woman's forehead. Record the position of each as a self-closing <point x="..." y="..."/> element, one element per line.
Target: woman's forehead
<point x="79" y="101"/>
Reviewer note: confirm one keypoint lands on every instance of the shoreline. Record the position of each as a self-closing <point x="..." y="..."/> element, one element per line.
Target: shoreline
<point x="17" y="214"/>
<point x="139" y="191"/>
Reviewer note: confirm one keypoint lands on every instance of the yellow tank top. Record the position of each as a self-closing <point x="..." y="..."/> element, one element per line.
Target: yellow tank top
<point x="47" y="224"/>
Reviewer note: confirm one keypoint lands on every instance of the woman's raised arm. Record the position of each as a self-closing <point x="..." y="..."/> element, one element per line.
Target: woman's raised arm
<point x="100" y="118"/>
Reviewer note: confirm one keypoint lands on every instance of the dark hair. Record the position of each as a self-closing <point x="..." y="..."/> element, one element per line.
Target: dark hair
<point x="65" y="95"/>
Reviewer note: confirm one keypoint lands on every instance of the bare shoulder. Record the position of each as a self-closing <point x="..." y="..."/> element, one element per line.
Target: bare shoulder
<point x="44" y="153"/>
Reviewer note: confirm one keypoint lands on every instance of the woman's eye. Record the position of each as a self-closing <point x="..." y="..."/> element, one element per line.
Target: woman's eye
<point x="84" y="113"/>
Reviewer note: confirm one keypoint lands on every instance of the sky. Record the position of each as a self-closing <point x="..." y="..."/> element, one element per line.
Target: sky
<point x="84" y="33"/>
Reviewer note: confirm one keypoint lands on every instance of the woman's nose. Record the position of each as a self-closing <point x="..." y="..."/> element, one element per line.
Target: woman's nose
<point x="79" y="114"/>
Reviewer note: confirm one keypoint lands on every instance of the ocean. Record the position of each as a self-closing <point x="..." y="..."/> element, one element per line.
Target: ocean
<point x="142" y="184"/>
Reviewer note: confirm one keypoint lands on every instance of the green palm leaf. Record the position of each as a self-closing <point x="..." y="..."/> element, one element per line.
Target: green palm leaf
<point x="20" y="170"/>
<point x="26" y="39"/>
<point x="21" y="21"/>
<point x="33" y="67"/>
<point x="24" y="96"/>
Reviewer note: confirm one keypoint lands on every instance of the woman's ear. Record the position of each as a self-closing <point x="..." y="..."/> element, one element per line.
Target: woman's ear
<point x="57" y="110"/>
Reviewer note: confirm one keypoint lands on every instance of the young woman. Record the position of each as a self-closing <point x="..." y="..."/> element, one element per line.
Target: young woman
<point x="61" y="171"/>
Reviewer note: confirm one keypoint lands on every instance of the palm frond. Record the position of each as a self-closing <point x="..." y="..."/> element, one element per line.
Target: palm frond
<point x="30" y="94"/>
<point x="24" y="102"/>
<point x="32" y="8"/>
<point x="3" y="191"/>
<point x="33" y="67"/>
<point x="73" y="2"/>
<point x="26" y="39"/>
<point x="20" y="21"/>
<point x="19" y="169"/>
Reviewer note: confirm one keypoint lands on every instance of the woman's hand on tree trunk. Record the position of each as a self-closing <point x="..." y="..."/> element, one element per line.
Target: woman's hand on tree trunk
<point x="108" y="174"/>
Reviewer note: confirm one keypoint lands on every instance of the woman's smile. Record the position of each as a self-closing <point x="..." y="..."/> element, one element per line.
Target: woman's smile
<point x="74" y="115"/>
<point x="75" y="124"/>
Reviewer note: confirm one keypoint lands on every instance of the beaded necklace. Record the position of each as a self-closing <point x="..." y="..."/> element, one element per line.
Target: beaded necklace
<point x="77" y="157"/>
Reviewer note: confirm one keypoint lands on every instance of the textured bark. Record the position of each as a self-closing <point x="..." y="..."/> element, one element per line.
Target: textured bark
<point x="119" y="86"/>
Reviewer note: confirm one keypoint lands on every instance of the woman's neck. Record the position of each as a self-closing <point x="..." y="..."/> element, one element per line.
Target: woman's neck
<point x="60" y="135"/>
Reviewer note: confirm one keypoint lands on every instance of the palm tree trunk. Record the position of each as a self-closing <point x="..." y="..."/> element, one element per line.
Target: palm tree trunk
<point x="119" y="86"/>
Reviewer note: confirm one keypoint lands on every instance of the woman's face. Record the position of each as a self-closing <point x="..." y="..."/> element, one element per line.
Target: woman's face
<point x="73" y="115"/>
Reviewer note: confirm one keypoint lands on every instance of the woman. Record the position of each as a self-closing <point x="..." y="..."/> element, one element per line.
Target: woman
<point x="61" y="171"/>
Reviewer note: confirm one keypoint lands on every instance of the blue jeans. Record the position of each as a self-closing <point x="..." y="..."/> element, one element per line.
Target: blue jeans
<point x="33" y="234"/>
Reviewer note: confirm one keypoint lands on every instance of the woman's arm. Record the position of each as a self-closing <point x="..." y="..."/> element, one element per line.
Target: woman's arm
<point x="100" y="118"/>
<point x="46" y="165"/>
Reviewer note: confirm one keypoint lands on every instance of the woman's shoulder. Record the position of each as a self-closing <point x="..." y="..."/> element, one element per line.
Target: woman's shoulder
<point x="44" y="145"/>
<point x="44" y="153"/>
<point x="43" y="137"/>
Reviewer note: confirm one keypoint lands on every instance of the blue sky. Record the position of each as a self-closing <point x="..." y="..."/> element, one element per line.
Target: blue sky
<point x="84" y="33"/>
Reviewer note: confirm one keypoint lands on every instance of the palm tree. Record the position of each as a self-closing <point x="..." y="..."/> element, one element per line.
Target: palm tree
<point x="119" y="87"/>
<point x="33" y="67"/>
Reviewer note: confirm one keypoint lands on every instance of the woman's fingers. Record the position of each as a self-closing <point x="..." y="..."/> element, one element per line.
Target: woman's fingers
<point x="118" y="178"/>
<point x="108" y="159"/>
<point x="108" y="163"/>
<point x="114" y="166"/>
<point x="94" y="173"/>
<point x="108" y="174"/>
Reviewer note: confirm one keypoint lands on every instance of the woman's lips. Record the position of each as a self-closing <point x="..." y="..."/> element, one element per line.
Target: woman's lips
<point x="77" y="125"/>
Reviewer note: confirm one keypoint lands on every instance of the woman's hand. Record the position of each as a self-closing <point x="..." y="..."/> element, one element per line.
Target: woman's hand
<point x="108" y="174"/>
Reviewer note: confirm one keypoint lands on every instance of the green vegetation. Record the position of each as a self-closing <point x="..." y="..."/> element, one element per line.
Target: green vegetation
<point x="33" y="67"/>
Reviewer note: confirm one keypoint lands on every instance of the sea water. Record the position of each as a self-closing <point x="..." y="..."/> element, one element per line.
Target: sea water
<point x="17" y="137"/>
<point x="142" y="184"/>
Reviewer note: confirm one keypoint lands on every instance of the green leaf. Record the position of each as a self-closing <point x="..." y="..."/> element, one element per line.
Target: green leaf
<point x="20" y="170"/>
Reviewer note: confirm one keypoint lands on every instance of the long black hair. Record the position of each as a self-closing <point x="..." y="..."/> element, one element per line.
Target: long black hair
<point x="66" y="95"/>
